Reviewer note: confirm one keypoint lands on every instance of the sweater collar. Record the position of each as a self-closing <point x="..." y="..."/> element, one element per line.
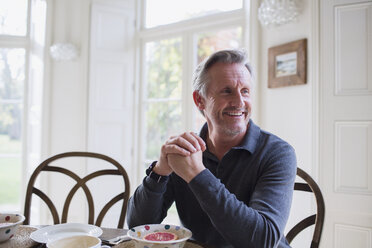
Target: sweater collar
<point x="249" y="142"/>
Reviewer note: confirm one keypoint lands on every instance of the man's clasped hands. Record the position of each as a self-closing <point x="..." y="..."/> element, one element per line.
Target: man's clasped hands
<point x="182" y="154"/>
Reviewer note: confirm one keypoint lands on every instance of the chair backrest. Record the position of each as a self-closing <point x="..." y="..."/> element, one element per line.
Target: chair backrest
<point x="79" y="183"/>
<point x="315" y="219"/>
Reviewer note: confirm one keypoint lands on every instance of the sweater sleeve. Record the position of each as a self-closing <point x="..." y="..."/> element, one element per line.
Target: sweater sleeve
<point x="149" y="203"/>
<point x="261" y="222"/>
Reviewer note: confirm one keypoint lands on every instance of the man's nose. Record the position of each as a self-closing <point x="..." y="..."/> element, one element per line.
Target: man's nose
<point x="237" y="100"/>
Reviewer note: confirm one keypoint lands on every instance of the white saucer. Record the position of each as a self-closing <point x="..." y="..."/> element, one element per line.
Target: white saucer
<point x="50" y="233"/>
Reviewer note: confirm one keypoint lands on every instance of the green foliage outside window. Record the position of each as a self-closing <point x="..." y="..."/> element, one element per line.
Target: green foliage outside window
<point x="11" y="91"/>
<point x="12" y="74"/>
<point x="164" y="88"/>
<point x="164" y="69"/>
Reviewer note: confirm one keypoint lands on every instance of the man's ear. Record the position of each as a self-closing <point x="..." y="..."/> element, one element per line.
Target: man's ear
<point x="198" y="100"/>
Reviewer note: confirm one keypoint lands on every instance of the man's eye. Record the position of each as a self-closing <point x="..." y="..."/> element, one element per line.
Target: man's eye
<point x="246" y="91"/>
<point x="226" y="91"/>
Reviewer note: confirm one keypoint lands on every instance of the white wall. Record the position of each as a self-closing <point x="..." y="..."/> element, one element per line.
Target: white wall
<point x="291" y="112"/>
<point x="68" y="79"/>
<point x="288" y="111"/>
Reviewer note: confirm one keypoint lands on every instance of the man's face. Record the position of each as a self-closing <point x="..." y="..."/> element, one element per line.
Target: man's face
<point x="227" y="106"/>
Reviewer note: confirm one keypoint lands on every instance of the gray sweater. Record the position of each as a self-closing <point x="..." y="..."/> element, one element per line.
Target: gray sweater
<point x="241" y="201"/>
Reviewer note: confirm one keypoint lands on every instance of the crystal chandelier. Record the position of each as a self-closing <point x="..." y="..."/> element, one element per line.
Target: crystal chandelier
<point x="64" y="51"/>
<point x="277" y="12"/>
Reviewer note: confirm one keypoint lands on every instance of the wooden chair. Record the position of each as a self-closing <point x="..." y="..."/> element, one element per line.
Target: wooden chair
<point x="315" y="219"/>
<point x="80" y="183"/>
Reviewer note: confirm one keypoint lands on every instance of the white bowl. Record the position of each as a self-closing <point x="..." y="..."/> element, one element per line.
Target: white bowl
<point x="9" y="223"/>
<point x="83" y="241"/>
<point x="137" y="234"/>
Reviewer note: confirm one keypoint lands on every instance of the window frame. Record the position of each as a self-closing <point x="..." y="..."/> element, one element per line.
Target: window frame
<point x="22" y="42"/>
<point x="33" y="119"/>
<point x="187" y="30"/>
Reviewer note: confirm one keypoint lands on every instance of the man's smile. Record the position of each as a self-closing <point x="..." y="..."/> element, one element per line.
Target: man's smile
<point x="235" y="113"/>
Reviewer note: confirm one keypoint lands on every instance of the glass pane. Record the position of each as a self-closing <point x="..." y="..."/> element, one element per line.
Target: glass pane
<point x="13" y="17"/>
<point x="10" y="181"/>
<point x="12" y="73"/>
<point x="10" y="129"/>
<point x="208" y="43"/>
<point x="163" y="69"/>
<point x="12" y="76"/>
<point x="160" y="12"/>
<point x="163" y="119"/>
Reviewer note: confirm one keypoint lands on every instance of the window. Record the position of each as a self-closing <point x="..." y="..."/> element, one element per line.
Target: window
<point x="12" y="78"/>
<point x="163" y="97"/>
<point x="13" y="24"/>
<point x="13" y="17"/>
<point x="17" y="63"/>
<point x="183" y="10"/>
<point x="169" y="56"/>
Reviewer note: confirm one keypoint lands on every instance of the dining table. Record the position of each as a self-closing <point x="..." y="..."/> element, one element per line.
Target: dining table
<point x="22" y="238"/>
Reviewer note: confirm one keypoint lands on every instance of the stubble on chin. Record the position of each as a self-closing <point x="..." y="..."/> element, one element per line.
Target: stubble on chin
<point x="233" y="132"/>
<point x="224" y="127"/>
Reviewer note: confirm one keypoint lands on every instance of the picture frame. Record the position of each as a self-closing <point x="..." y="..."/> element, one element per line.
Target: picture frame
<point x="287" y="64"/>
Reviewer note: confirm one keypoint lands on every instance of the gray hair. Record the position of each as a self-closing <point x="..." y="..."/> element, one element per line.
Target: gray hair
<point x="201" y="79"/>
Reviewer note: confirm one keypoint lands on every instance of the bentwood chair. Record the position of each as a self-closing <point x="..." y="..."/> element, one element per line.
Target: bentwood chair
<point x="67" y="159"/>
<point x="316" y="219"/>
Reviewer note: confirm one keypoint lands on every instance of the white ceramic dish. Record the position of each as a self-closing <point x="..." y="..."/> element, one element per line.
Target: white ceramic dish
<point x="84" y="241"/>
<point x="137" y="234"/>
<point x="51" y="233"/>
<point x="9" y="223"/>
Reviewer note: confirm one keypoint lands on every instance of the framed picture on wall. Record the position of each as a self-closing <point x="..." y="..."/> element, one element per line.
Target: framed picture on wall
<point x="287" y="64"/>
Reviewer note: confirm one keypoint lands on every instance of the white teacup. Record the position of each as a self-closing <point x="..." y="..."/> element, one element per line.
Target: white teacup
<point x="83" y="241"/>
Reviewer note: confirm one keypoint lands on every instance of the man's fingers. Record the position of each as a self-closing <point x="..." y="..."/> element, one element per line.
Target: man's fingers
<point x="200" y="141"/>
<point x="175" y="149"/>
<point x="193" y="140"/>
<point x="183" y="142"/>
<point x="189" y="141"/>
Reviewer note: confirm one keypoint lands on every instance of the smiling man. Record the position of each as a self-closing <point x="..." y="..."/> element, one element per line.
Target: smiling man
<point x="233" y="182"/>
